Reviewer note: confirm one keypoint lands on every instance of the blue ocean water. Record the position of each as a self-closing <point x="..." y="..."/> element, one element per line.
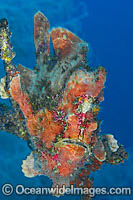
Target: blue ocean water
<point x="108" y="27"/>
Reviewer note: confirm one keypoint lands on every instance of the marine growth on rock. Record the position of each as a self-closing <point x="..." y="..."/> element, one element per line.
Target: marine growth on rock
<point x="55" y="106"/>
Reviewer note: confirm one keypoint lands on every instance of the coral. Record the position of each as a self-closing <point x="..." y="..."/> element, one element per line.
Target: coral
<point x="55" y="106"/>
<point x="113" y="144"/>
<point x="3" y="93"/>
<point x="28" y="166"/>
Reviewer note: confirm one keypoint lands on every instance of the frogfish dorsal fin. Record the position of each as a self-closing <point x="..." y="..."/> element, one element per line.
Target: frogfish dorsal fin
<point x="41" y="36"/>
<point x="65" y="42"/>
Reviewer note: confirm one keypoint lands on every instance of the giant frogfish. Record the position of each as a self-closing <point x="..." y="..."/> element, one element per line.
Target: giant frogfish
<point x="55" y="107"/>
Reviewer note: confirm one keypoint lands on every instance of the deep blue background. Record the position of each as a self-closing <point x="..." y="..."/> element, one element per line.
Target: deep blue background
<point x="108" y="27"/>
